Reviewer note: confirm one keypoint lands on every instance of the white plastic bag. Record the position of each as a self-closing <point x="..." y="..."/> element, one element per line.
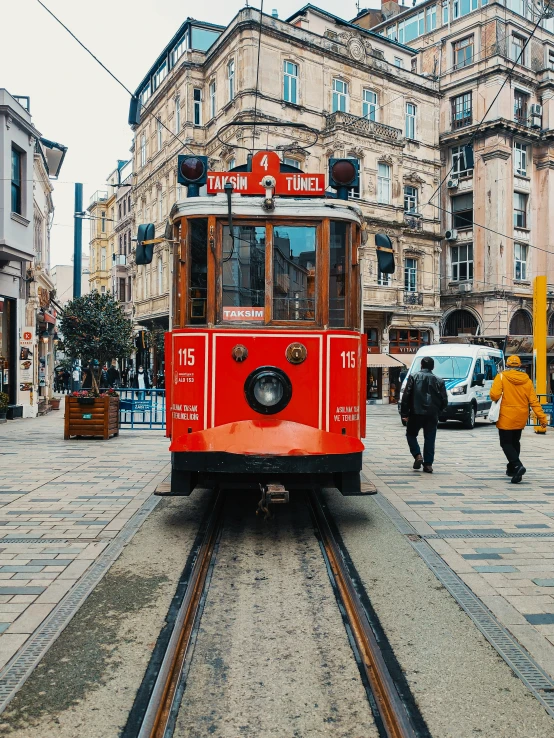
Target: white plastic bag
<point x="494" y="411"/>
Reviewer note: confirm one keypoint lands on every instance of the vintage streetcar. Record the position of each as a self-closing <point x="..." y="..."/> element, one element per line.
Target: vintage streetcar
<point x="265" y="360"/>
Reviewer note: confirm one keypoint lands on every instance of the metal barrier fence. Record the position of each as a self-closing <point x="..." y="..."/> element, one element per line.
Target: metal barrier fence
<point x="546" y="403"/>
<point x="142" y="409"/>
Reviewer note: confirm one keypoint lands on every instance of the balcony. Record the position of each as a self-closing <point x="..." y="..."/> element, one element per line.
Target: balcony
<point x="413" y="298"/>
<point x="362" y="126"/>
<point x="99" y="196"/>
<point x="119" y="260"/>
<point x="413" y="221"/>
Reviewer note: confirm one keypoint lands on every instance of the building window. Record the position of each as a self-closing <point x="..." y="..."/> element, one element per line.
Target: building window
<point x="103" y="221"/>
<point x="231" y="79"/>
<point x="177" y="114"/>
<point x="411" y="121"/>
<point x="520" y="159"/>
<point x="179" y="49"/>
<point x="461" y="258"/>
<point x="160" y="215"/>
<point x="103" y="259"/>
<point x="410" y="199"/>
<point x="159" y="137"/>
<point x="391" y="33"/>
<point x="129" y="295"/>
<point x="551" y="58"/>
<point x="102" y="290"/>
<point x="290" y="82"/>
<point x="398" y="62"/>
<point x="445" y="12"/>
<point x="340" y="96"/>
<point x="232" y="163"/>
<point x="143" y="150"/>
<point x="383" y="183"/>
<point x="463" y="7"/>
<point x="160" y="276"/>
<point x="461" y="110"/>
<point x="410" y="275"/>
<point x="17" y="199"/>
<point x="122" y="289"/>
<point x="407" y="341"/>
<point x="520" y="260"/>
<point x="517" y="48"/>
<point x="462" y="211"/>
<point x="463" y="52"/>
<point x="355" y="191"/>
<point x="459" y="166"/>
<point x="291" y="162"/>
<point x="520" y="210"/>
<point x="431" y="18"/>
<point x="212" y="100"/>
<point x="521" y="101"/>
<point x="197" y="97"/>
<point x="159" y="76"/>
<point x="384" y="280"/>
<point x="369" y="105"/>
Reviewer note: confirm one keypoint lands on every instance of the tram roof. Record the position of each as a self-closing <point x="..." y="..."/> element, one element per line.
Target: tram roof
<point x="251" y="206"/>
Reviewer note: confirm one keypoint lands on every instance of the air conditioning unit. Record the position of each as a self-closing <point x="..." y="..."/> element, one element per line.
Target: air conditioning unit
<point x="451" y="235"/>
<point x="465" y="287"/>
<point x="536" y="109"/>
<point x="452" y="184"/>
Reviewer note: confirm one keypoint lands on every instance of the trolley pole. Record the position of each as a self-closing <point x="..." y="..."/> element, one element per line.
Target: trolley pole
<point x="77" y="240"/>
<point x="539" y="337"/>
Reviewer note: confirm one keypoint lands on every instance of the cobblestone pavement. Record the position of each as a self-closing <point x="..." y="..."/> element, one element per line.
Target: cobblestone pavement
<point x="62" y="503"/>
<point x="498" y="537"/>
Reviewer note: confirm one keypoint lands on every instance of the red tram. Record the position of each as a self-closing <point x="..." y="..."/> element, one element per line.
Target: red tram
<point x="265" y="362"/>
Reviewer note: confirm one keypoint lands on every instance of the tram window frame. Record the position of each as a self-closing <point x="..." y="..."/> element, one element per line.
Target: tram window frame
<point x="318" y="276"/>
<point x="190" y="318"/>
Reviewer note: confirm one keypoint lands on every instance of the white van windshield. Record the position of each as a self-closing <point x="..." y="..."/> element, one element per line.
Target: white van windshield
<point x="447" y="367"/>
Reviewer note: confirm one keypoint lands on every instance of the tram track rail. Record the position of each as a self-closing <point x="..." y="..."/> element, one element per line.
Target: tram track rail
<point x="158" y="716"/>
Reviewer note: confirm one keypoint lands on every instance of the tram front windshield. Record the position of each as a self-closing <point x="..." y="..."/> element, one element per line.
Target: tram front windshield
<point x="447" y="367"/>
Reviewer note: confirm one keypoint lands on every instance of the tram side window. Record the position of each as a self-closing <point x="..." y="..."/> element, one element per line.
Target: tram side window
<point x="243" y="266"/>
<point x="337" y="274"/>
<point x="198" y="287"/>
<point x="294" y="272"/>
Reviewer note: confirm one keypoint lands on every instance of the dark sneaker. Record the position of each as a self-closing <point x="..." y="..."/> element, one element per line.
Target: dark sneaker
<point x="428" y="468"/>
<point x="418" y="461"/>
<point x="510" y="471"/>
<point x="520" y="471"/>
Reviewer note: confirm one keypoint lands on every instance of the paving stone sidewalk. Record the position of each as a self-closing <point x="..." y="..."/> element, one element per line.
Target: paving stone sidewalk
<point x="61" y="503"/>
<point x="498" y="537"/>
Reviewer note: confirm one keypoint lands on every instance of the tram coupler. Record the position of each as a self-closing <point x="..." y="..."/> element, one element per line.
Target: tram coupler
<point x="272" y="494"/>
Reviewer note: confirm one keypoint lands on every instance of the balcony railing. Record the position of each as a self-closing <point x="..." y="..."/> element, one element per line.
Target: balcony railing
<point x="362" y="126"/>
<point x="414" y="221"/>
<point x="413" y="298"/>
<point x="119" y="259"/>
<point x="99" y="196"/>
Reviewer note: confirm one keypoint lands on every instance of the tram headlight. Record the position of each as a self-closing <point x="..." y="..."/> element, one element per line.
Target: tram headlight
<point x="268" y="390"/>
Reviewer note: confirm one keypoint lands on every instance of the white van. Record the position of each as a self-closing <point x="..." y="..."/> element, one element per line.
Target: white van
<point x="468" y="371"/>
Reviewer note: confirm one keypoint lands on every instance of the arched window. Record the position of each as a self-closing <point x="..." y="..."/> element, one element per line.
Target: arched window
<point x="551" y="325"/>
<point x="520" y="324"/>
<point x="160" y="276"/>
<point x="460" y="322"/>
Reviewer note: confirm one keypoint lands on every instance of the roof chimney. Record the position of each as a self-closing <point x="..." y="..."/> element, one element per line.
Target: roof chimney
<point x="274" y="13"/>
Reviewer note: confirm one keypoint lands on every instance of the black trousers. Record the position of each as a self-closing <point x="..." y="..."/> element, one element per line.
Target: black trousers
<point x="429" y="424"/>
<point x="510" y="443"/>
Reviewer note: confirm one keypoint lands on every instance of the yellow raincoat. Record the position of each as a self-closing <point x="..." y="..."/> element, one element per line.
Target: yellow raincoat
<point x="518" y="393"/>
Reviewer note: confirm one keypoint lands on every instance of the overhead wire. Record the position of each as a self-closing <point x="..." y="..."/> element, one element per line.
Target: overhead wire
<point x="257" y="75"/>
<point x="119" y="82"/>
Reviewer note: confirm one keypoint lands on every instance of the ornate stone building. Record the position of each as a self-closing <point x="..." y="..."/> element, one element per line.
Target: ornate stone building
<point x="360" y="93"/>
<point x="495" y="69"/>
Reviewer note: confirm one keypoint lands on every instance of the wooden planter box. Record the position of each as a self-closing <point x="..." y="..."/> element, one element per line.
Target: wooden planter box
<point x="99" y="419"/>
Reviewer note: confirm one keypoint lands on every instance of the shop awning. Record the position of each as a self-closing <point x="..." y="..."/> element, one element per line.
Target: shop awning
<point x="48" y="318"/>
<point x="405" y="359"/>
<point x="380" y="361"/>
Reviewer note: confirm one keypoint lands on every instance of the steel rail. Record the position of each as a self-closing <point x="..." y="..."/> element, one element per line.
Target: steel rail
<point x="161" y="704"/>
<point x="392" y="710"/>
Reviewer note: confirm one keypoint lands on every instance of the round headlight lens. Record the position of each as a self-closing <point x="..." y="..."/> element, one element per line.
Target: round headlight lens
<point x="268" y="390"/>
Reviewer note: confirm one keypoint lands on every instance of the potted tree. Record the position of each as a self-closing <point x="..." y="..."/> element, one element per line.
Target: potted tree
<point x="4" y="402"/>
<point x="95" y="330"/>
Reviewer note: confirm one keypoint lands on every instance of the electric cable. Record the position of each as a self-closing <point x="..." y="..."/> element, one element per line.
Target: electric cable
<point x="257" y="75"/>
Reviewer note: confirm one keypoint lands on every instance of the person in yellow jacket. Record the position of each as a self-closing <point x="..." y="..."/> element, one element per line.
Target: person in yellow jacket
<point x="518" y="394"/>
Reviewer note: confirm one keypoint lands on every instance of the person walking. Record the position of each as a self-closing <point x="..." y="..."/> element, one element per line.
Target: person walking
<point x="141" y="382"/>
<point x="424" y="399"/>
<point x="114" y="377"/>
<point x="518" y="394"/>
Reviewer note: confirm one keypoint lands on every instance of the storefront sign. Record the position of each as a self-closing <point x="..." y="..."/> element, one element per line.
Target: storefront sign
<point x="26" y="360"/>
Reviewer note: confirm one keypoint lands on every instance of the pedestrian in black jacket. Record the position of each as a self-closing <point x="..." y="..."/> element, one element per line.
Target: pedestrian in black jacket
<point x="424" y="399"/>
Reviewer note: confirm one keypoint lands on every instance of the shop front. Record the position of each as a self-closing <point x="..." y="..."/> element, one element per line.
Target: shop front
<point x="523" y="347"/>
<point x="8" y="348"/>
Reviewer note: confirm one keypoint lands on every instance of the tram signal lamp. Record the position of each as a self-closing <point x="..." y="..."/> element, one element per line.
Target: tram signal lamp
<point x="343" y="175"/>
<point x="192" y="171"/>
<point x="385" y="253"/>
<point x="145" y="247"/>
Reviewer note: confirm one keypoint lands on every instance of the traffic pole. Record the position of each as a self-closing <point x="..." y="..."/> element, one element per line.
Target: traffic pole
<point x="77" y="240"/>
<point x="540" y="288"/>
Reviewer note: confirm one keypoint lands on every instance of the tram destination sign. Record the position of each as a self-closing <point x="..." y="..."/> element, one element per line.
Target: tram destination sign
<point x="267" y="164"/>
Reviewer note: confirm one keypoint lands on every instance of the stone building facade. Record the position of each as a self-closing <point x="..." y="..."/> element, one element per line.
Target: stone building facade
<point x="358" y="91"/>
<point x="495" y="72"/>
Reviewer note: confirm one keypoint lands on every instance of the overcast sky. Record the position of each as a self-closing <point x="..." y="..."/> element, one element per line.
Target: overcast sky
<point x="74" y="101"/>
